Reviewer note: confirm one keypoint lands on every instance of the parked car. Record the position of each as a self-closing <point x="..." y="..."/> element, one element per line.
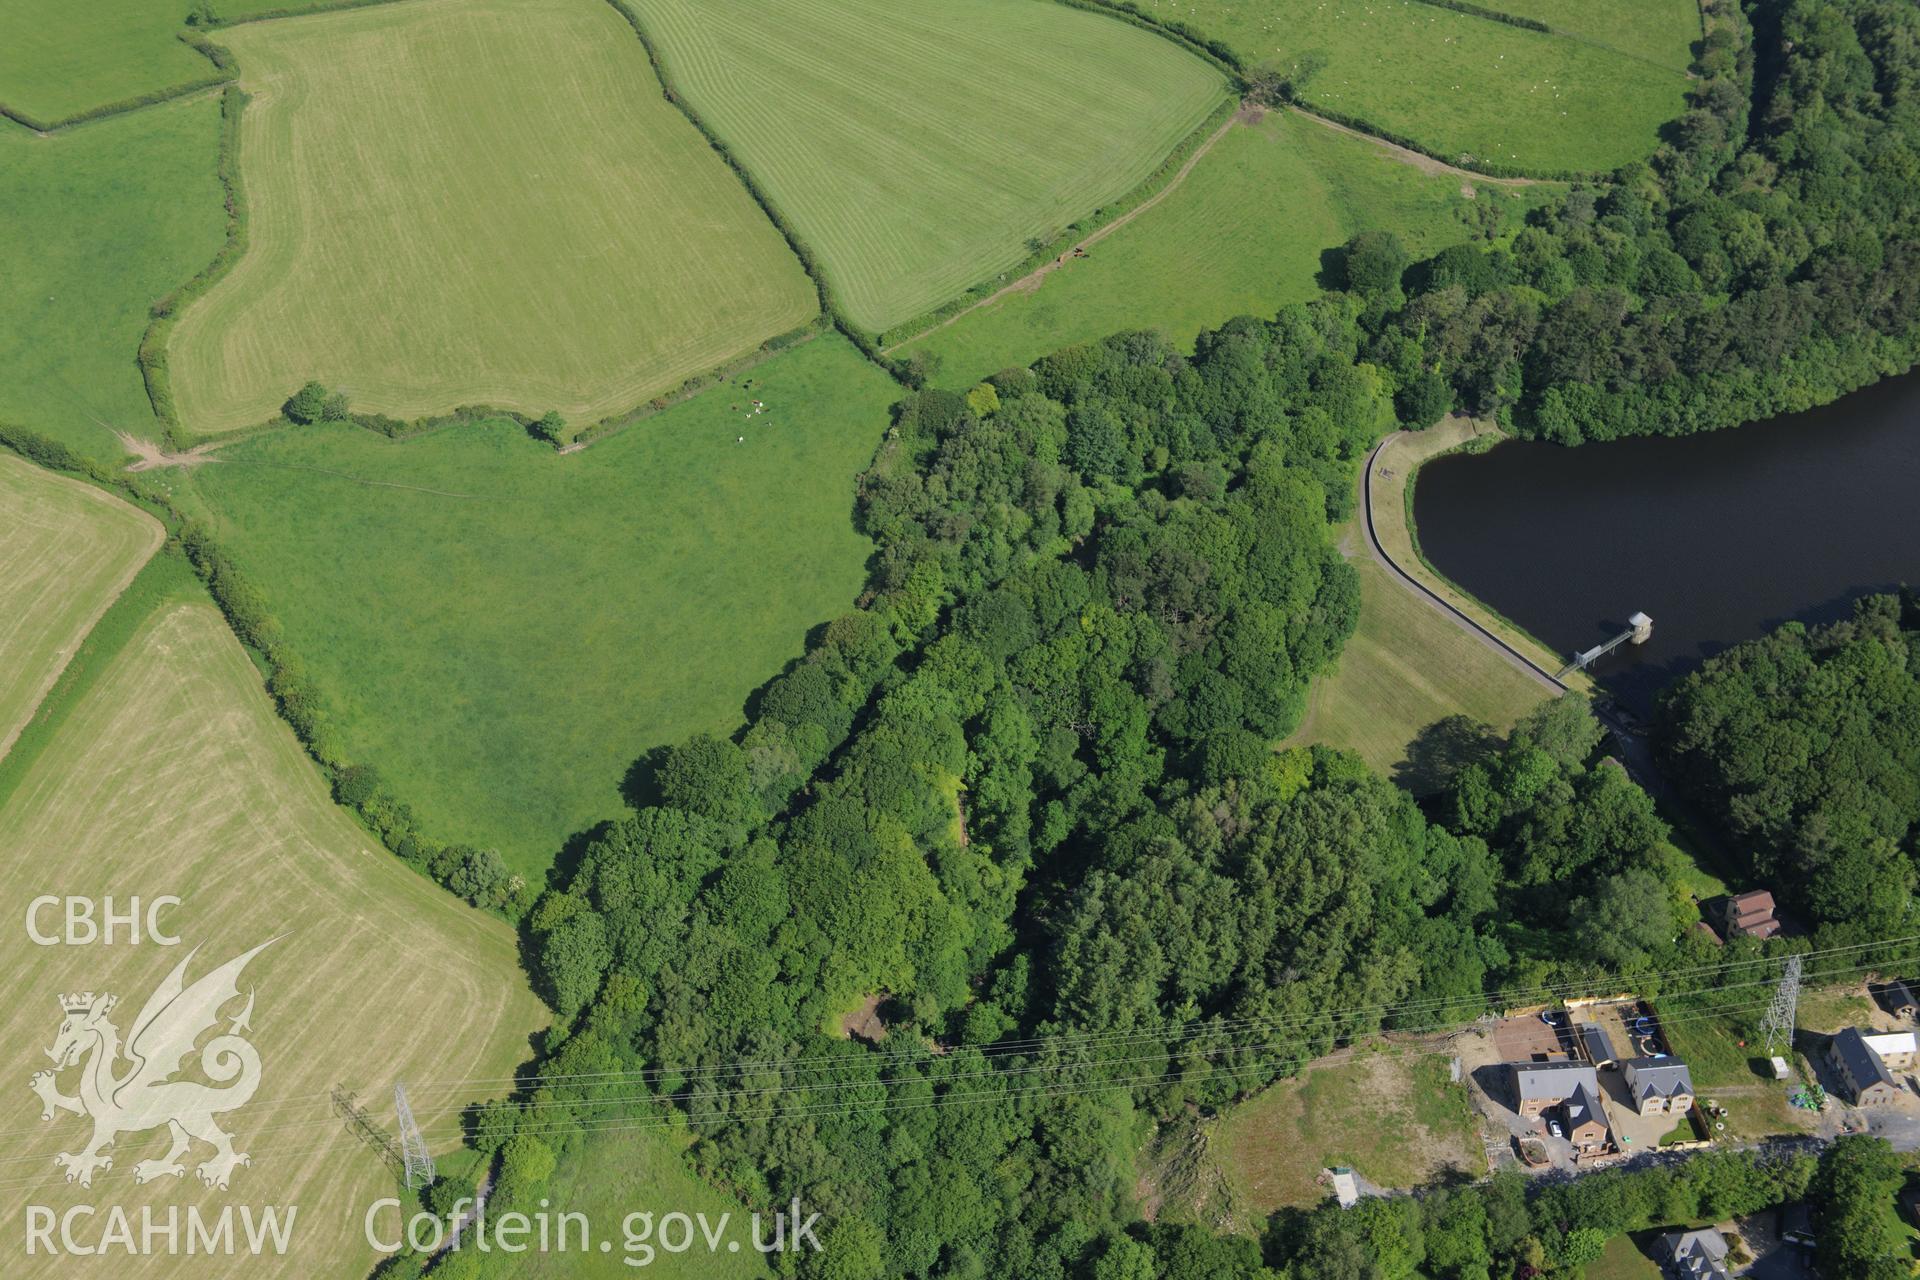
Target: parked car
<point x="1553" y="1127"/>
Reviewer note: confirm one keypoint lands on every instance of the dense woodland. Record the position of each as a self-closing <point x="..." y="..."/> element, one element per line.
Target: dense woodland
<point x="1022" y="800"/>
<point x="1804" y="747"/>
<point x="1766" y="259"/>
<point x="1025" y="799"/>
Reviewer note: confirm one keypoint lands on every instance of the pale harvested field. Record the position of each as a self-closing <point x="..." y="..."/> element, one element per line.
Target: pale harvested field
<point x="173" y="775"/>
<point x="66" y="550"/>
<point x="917" y="145"/>
<point x="475" y="202"/>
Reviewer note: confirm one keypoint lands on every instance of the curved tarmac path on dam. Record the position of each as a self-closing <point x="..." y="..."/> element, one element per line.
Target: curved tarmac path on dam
<point x="1406" y="579"/>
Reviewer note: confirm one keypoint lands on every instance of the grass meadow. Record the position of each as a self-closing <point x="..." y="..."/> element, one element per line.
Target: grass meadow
<point x="1406" y="667"/>
<point x="170" y="773"/>
<point x="1461" y="85"/>
<point x="503" y="630"/>
<point x="1661" y="31"/>
<point x="917" y="146"/>
<point x="641" y="1171"/>
<point x="1244" y="234"/>
<point x="60" y="58"/>
<point x="1623" y="1260"/>
<point x="1396" y="1118"/>
<point x="70" y="550"/>
<point x="475" y="202"/>
<point x="100" y="221"/>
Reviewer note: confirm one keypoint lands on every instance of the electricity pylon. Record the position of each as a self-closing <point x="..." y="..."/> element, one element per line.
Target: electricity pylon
<point x="413" y="1147"/>
<point x="1781" y="1012"/>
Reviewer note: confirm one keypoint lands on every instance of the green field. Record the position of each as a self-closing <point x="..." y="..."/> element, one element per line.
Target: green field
<point x="1395" y="1118"/>
<point x="1661" y="31"/>
<point x="100" y="221"/>
<point x="69" y="550"/>
<point x="1406" y="667"/>
<point x="637" y="1172"/>
<point x="1623" y="1261"/>
<point x="1461" y="85"/>
<point x="504" y="630"/>
<point x="475" y="202"/>
<point x="1244" y="234"/>
<point x="60" y="58"/>
<point x="170" y="773"/>
<point x="1716" y="1038"/>
<point x="918" y="145"/>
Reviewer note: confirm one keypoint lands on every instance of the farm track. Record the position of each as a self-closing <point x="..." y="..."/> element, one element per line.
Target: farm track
<point x="1247" y="115"/>
<point x="1422" y="162"/>
<point x="917" y="151"/>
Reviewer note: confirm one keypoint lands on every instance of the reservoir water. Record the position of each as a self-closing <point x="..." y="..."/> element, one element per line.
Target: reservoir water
<point x="1720" y="537"/>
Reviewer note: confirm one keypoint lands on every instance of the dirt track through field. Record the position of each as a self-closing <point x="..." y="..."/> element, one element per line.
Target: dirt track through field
<point x="152" y="457"/>
<point x="1248" y="114"/>
<point x="1407" y="155"/>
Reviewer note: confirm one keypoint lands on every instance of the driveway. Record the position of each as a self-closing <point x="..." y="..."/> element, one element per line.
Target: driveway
<point x="1774" y="1258"/>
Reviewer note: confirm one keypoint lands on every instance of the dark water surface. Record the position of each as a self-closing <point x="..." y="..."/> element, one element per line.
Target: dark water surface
<point x="1720" y="537"/>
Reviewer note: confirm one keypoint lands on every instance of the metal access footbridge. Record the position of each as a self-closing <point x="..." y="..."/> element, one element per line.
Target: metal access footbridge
<point x="1639" y="631"/>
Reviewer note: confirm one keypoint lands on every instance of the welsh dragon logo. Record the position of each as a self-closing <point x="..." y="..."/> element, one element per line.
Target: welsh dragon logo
<point x="130" y="1089"/>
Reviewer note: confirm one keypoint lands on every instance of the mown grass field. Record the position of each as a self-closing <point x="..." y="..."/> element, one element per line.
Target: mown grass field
<point x="475" y="202"/>
<point x="503" y="630"/>
<point x="100" y="221"/>
<point x="1623" y="1260"/>
<point x="918" y="145"/>
<point x="59" y="58"/>
<point x="1462" y="85"/>
<point x="1244" y="234"/>
<point x="170" y="773"/>
<point x="1395" y="1118"/>
<point x="69" y="550"/>
<point x="1661" y="31"/>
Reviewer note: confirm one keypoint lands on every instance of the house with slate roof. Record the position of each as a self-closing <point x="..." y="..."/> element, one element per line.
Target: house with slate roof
<point x="1861" y="1069"/>
<point x="1571" y="1088"/>
<point x="1896" y="997"/>
<point x="1696" y="1255"/>
<point x="1659" y="1085"/>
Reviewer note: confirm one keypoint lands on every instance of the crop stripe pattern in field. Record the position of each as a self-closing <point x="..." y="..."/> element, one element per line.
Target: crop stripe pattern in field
<point x="919" y="147"/>
<point x="546" y="231"/>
